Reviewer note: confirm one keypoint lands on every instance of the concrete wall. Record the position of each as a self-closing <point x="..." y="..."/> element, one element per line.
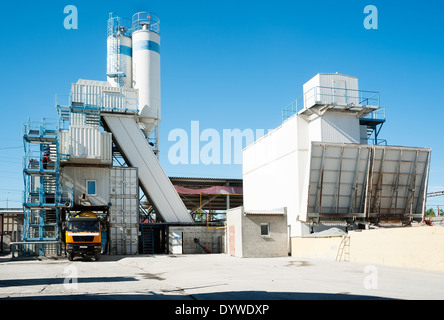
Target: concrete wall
<point x="415" y="247"/>
<point x="248" y="240"/>
<point x="255" y="245"/>
<point x="12" y="225"/>
<point x="212" y="238"/>
<point x="325" y="248"/>
<point x="234" y="228"/>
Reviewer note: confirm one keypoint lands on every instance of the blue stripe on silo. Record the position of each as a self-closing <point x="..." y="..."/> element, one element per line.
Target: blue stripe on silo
<point x="147" y="45"/>
<point x="126" y="51"/>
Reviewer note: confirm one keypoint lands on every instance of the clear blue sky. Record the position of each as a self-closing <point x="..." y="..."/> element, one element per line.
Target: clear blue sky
<point x="230" y="64"/>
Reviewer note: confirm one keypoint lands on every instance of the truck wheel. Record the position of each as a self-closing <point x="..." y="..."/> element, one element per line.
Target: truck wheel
<point x="97" y="256"/>
<point x="70" y="256"/>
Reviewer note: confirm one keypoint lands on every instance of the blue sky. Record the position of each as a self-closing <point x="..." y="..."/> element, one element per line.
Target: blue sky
<point x="229" y="64"/>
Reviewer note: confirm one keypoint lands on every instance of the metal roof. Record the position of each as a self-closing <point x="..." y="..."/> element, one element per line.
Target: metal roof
<point x="207" y="202"/>
<point x="11" y="210"/>
<point x="276" y="212"/>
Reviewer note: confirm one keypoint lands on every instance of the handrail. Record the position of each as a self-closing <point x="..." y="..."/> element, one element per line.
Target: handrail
<point x="333" y="96"/>
<point x="105" y="101"/>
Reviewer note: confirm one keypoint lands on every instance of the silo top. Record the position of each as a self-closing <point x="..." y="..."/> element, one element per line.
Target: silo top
<point x="118" y="26"/>
<point x="147" y="21"/>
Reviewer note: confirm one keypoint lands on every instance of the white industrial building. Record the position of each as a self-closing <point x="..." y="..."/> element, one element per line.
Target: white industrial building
<point x="323" y="167"/>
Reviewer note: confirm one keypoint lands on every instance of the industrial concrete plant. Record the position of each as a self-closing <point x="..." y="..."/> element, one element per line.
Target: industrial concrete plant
<point x="68" y="167"/>
<point x="324" y="166"/>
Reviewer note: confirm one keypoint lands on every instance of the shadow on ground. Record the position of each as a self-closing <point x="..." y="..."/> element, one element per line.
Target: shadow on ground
<point x="215" y="296"/>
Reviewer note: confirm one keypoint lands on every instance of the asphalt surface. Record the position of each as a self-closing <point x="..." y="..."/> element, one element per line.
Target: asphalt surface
<point x="210" y="277"/>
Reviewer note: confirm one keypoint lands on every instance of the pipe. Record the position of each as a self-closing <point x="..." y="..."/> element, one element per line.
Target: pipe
<point x="196" y="240"/>
<point x="208" y="213"/>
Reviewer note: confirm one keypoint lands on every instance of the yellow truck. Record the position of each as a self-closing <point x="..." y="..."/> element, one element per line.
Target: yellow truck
<point x="83" y="236"/>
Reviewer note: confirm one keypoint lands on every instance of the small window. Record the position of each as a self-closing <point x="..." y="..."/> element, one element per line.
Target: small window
<point x="265" y="230"/>
<point x="91" y="189"/>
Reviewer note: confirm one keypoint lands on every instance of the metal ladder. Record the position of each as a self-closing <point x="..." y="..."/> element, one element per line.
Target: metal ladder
<point x="343" y="253"/>
<point x="147" y="240"/>
<point x="117" y="69"/>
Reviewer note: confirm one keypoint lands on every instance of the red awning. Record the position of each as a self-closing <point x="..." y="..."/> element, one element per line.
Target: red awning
<point x="211" y="190"/>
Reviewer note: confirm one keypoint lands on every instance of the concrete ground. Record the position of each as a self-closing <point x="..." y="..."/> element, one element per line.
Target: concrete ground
<point x="211" y="277"/>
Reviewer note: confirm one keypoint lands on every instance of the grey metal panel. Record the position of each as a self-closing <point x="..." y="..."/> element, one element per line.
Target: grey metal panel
<point x="123" y="239"/>
<point x="366" y="181"/>
<point x="152" y="177"/>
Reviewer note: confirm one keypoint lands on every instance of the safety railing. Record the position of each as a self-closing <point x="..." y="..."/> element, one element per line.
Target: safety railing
<point x="147" y="20"/>
<point x="332" y="96"/>
<point x="41" y="196"/>
<point x="377" y="115"/>
<point x="111" y="101"/>
<point x="340" y="96"/>
<point x="373" y="141"/>
<point x="66" y="197"/>
<point x="36" y="161"/>
<point x="40" y="129"/>
<point x="118" y="26"/>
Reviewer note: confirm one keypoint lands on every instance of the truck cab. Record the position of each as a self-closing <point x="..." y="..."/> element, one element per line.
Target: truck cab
<point x="83" y="236"/>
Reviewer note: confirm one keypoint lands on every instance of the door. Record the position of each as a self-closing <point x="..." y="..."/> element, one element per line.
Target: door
<point x="176" y="242"/>
<point x="339" y="92"/>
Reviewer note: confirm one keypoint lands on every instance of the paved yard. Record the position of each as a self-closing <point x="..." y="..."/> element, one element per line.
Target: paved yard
<point x="211" y="277"/>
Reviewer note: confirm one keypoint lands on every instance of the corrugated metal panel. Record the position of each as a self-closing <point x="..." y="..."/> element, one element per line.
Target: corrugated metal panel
<point x="124" y="182"/>
<point x="78" y="119"/>
<point x="124" y="211"/>
<point x="102" y="94"/>
<point x="368" y="182"/>
<point x="339" y="128"/>
<point x="107" y="144"/>
<point x="124" y="239"/>
<point x="124" y="192"/>
<point x="321" y="89"/>
<point x="152" y="177"/>
<point x="85" y="142"/>
<point x="64" y="142"/>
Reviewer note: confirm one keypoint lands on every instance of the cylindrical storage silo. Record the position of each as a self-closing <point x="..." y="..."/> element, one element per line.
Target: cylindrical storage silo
<point x="119" y="53"/>
<point x="146" y="68"/>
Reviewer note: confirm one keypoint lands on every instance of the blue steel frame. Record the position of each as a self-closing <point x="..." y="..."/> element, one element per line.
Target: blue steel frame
<point x="35" y="200"/>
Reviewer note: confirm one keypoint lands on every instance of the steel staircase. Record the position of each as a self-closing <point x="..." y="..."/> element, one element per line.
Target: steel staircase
<point x="42" y="194"/>
<point x="147" y="240"/>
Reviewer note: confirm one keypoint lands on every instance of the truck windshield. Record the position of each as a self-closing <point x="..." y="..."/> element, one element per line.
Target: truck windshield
<point x="83" y="225"/>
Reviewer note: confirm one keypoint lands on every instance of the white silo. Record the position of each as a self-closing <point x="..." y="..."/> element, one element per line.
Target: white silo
<point x="119" y="52"/>
<point x="146" y="68"/>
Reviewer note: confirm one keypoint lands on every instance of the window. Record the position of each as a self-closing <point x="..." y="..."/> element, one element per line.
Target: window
<point x="91" y="189"/>
<point x="265" y="230"/>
